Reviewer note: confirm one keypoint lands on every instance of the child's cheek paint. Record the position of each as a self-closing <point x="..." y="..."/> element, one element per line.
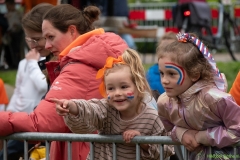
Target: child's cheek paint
<point x="180" y="71"/>
<point x="108" y="96"/>
<point x="130" y="95"/>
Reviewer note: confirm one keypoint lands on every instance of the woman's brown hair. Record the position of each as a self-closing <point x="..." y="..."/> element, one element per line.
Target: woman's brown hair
<point x="64" y="15"/>
<point x="32" y="20"/>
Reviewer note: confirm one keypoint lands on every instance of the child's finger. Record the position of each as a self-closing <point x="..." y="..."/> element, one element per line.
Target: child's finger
<point x="62" y="114"/>
<point x="55" y="100"/>
<point x="128" y="137"/>
<point x="61" y="110"/>
<point x="65" y="104"/>
<point x="125" y="137"/>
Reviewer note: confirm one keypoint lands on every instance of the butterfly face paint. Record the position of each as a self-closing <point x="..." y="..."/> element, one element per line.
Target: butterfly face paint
<point x="179" y="69"/>
<point x="130" y="95"/>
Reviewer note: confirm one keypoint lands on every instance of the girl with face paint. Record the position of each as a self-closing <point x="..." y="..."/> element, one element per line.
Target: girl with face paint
<point x="195" y="107"/>
<point x="122" y="111"/>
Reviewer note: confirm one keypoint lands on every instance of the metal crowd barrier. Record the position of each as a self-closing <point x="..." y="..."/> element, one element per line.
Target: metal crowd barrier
<point x="70" y="137"/>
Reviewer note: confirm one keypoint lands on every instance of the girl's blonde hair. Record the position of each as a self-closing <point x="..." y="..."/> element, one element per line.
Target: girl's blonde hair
<point x="187" y="55"/>
<point x="133" y="61"/>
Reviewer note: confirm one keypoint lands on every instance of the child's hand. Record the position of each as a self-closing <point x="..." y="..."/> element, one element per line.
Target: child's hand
<point x="129" y="135"/>
<point x="189" y="141"/>
<point x="33" y="54"/>
<point x="62" y="107"/>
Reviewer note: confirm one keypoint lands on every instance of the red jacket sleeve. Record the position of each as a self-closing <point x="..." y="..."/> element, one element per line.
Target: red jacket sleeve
<point x="70" y="84"/>
<point x="43" y="119"/>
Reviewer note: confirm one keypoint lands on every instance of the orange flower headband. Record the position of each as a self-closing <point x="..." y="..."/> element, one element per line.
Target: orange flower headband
<point x="100" y="74"/>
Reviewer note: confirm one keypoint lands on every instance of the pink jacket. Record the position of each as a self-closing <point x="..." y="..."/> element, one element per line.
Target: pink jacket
<point x="205" y="108"/>
<point x="75" y="79"/>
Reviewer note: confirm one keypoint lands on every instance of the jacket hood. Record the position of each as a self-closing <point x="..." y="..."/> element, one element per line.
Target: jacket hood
<point x="95" y="50"/>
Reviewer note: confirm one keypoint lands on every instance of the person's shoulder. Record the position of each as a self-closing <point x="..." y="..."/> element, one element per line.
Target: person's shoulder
<point x="213" y="94"/>
<point x="150" y="109"/>
<point x="163" y="102"/>
<point x="23" y="62"/>
<point x="150" y="112"/>
<point x="163" y="98"/>
<point x="110" y="36"/>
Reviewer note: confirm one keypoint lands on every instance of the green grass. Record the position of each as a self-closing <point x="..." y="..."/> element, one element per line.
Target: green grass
<point x="230" y="69"/>
<point x="8" y="76"/>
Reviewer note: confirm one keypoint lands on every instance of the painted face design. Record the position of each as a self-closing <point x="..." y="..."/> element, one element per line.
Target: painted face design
<point x="108" y="96"/>
<point x="180" y="71"/>
<point x="130" y="95"/>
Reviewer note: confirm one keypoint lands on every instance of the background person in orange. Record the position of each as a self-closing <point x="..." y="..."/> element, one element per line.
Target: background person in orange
<point x="235" y="89"/>
<point x="3" y="96"/>
<point x="29" y="4"/>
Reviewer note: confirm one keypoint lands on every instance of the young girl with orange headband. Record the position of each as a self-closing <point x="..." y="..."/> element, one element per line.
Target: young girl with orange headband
<point x="195" y="107"/>
<point x="122" y="111"/>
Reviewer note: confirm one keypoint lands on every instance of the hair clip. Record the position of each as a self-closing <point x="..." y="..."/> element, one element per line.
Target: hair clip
<point x="183" y="37"/>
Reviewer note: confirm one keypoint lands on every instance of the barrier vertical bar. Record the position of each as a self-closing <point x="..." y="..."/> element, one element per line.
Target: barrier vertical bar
<point x="25" y="149"/>
<point x="69" y="144"/>
<point x="4" y="149"/>
<point x="47" y="150"/>
<point x="114" y="152"/>
<point x="210" y="152"/>
<point x="235" y="152"/>
<point x="138" y="152"/>
<point x="185" y="154"/>
<point x="161" y="151"/>
<point x="91" y="151"/>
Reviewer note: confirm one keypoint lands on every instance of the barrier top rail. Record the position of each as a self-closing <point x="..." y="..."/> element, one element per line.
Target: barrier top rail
<point x="90" y="138"/>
